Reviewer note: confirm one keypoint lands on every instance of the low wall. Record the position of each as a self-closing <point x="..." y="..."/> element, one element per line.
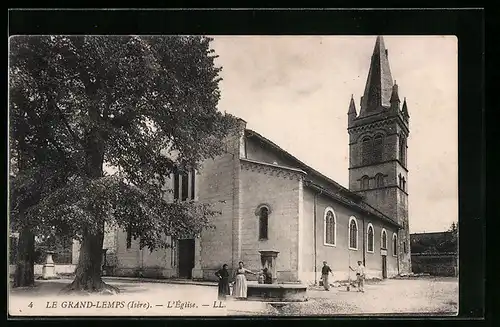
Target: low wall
<point x="60" y="269"/>
<point x="434" y="264"/>
<point x="277" y="292"/>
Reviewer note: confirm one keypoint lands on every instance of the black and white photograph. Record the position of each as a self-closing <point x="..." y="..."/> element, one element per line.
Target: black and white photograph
<point x="233" y="175"/>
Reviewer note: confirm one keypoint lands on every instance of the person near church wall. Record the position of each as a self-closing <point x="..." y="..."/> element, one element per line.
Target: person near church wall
<point x="223" y="275"/>
<point x="240" y="283"/>
<point x="325" y="272"/>
<point x="360" y="276"/>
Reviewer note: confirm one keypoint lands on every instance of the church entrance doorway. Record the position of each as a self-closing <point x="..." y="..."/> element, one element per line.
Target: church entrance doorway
<point x="186" y="258"/>
<point x="384" y="266"/>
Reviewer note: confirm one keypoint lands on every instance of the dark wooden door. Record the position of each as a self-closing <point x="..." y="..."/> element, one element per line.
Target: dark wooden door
<point x="384" y="266"/>
<point x="186" y="258"/>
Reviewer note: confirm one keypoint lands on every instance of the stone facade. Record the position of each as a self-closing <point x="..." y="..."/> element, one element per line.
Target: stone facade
<point x="254" y="172"/>
<point x="378" y="149"/>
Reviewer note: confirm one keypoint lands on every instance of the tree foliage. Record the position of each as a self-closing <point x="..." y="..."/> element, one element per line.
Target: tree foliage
<point x="444" y="242"/>
<point x="142" y="104"/>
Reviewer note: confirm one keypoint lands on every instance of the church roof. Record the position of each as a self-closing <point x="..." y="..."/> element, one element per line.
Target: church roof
<point x="334" y="190"/>
<point x="378" y="89"/>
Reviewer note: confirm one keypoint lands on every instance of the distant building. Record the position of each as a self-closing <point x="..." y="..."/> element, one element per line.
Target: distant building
<point x="434" y="253"/>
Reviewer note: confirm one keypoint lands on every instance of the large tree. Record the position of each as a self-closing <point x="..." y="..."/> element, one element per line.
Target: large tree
<point x="38" y="163"/>
<point x="145" y="105"/>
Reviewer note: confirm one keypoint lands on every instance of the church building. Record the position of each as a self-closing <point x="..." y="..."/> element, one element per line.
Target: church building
<point x="271" y="200"/>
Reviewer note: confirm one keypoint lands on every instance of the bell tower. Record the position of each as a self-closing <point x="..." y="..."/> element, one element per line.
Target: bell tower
<point x="378" y="149"/>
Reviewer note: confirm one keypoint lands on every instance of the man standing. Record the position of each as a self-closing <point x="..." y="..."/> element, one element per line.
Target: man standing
<point x="325" y="271"/>
<point x="360" y="276"/>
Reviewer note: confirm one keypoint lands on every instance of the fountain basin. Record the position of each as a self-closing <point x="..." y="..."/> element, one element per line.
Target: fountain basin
<point x="277" y="292"/>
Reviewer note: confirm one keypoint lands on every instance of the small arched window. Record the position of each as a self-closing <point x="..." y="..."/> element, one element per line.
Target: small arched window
<point x="370" y="237"/>
<point x="383" y="243"/>
<point x="330" y="227"/>
<point x="366" y="151"/>
<point x="353" y="233"/>
<point x="365" y="182"/>
<point x="379" y="180"/>
<point x="263" y="223"/>
<point x="394" y="244"/>
<point x="378" y="147"/>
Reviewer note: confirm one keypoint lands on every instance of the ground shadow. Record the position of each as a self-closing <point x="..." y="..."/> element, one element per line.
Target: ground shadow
<point x="54" y="287"/>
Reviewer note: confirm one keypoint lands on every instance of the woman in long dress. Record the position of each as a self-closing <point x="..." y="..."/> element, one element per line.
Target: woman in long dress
<point x="223" y="275"/>
<point x="240" y="284"/>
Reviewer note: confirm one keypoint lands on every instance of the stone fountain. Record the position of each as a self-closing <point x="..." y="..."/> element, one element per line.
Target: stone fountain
<point x="275" y="292"/>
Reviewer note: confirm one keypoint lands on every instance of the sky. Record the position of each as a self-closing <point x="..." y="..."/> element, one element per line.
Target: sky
<point x="295" y="90"/>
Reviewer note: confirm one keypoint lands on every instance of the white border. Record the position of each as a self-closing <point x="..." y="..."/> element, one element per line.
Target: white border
<point x="334" y="229"/>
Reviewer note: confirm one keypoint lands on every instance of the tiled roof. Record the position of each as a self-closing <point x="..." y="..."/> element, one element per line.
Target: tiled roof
<point x="336" y="191"/>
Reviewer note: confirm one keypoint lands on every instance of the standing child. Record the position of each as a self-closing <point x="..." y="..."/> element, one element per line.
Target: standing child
<point x="360" y="276"/>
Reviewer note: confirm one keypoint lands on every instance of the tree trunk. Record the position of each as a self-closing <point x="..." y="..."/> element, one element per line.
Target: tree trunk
<point x="25" y="263"/>
<point x="25" y="274"/>
<point x="89" y="269"/>
<point x="88" y="272"/>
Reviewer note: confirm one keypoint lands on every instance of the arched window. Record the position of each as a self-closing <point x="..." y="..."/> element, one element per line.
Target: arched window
<point x="378" y="147"/>
<point x="330" y="225"/>
<point x="370" y="238"/>
<point x="366" y="151"/>
<point x="263" y="223"/>
<point x="365" y="182"/>
<point x="353" y="234"/>
<point x="379" y="180"/>
<point x="394" y="244"/>
<point x="383" y="237"/>
<point x="402" y="150"/>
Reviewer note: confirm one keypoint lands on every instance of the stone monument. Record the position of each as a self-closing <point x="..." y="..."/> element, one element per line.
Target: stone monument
<point x="49" y="268"/>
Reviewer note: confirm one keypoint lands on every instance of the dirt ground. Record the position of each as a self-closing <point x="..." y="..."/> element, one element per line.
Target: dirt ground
<point x="422" y="296"/>
<point x="419" y="296"/>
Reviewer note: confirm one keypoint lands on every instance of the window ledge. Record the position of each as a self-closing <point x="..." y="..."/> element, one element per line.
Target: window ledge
<point x="354" y="249"/>
<point x="330" y="245"/>
<point x="368" y="251"/>
<point x="263" y="239"/>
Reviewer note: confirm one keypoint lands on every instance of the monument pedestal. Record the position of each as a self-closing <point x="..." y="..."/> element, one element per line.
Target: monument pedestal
<point x="49" y="268"/>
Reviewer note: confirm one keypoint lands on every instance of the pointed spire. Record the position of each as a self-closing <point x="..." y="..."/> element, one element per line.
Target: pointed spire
<point x="379" y="84"/>
<point x="405" y="109"/>
<point x="395" y="97"/>
<point x="352" y="107"/>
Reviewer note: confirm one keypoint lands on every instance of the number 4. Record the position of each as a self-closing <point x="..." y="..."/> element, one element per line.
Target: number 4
<point x="30" y="305"/>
